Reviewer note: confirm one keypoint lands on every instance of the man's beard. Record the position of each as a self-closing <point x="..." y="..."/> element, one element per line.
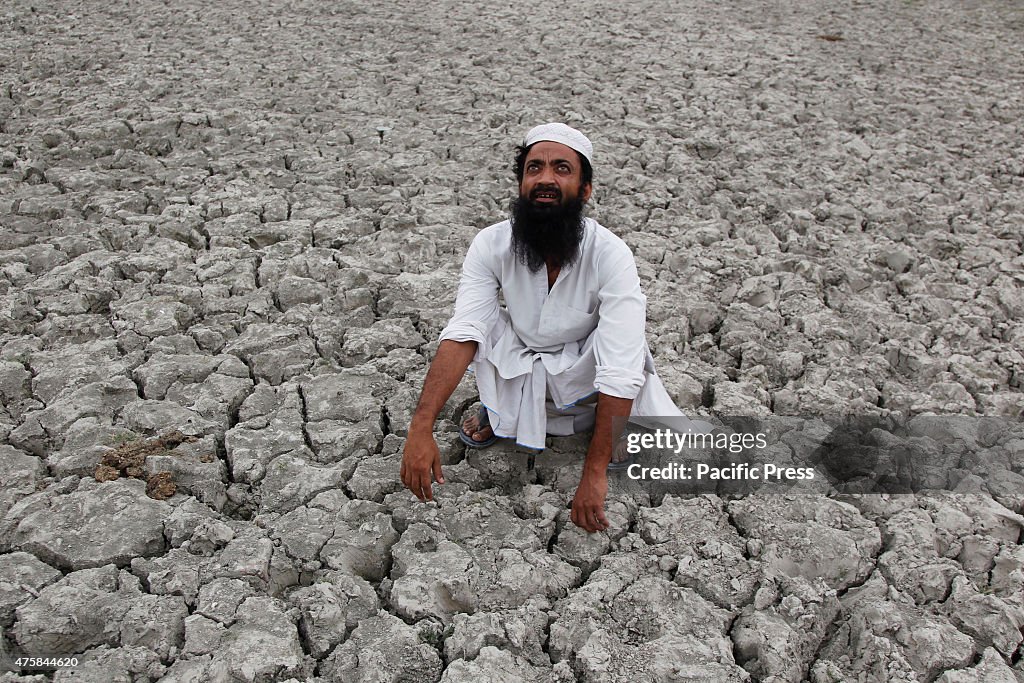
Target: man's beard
<point x="542" y="234"/>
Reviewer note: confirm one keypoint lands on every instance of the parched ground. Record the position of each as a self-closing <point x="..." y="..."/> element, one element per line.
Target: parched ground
<point x="231" y="233"/>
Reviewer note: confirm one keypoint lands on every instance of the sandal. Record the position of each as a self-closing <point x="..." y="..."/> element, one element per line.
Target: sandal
<point x="484" y="421"/>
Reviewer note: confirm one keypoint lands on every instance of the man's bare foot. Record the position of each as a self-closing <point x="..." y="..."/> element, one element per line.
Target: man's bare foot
<point x="620" y="452"/>
<point x="621" y="457"/>
<point x="471" y="426"/>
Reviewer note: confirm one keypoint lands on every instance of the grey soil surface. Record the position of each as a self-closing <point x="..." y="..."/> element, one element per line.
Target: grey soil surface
<point x="243" y="224"/>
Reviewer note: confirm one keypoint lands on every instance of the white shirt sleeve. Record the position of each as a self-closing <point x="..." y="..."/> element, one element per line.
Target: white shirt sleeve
<point x="476" y="305"/>
<point x="620" y="346"/>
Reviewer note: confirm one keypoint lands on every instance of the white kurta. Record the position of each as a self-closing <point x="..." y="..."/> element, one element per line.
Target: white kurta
<point x="584" y="336"/>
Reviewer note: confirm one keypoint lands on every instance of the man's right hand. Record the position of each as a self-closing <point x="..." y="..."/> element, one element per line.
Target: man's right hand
<point x="421" y="462"/>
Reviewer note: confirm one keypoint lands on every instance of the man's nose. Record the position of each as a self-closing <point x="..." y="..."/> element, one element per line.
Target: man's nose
<point x="547" y="176"/>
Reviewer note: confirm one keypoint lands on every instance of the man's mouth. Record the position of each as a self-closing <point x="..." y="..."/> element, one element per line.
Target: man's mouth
<point x="544" y="195"/>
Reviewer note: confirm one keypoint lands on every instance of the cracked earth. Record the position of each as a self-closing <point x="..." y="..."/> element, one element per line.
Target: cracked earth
<point x="232" y="233"/>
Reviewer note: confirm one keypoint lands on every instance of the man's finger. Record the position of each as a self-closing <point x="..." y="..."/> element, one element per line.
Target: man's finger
<point x="410" y="478"/>
<point x="437" y="471"/>
<point x="583" y="519"/>
<point x="414" y="485"/>
<point x="428" y="494"/>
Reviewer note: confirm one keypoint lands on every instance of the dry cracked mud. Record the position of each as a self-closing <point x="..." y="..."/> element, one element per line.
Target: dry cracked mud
<point x="244" y="222"/>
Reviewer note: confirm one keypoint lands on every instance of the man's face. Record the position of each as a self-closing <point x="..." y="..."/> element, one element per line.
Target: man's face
<point x="552" y="176"/>
<point x="547" y="216"/>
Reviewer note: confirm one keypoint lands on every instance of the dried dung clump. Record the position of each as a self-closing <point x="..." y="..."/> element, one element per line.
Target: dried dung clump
<point x="161" y="486"/>
<point x="129" y="460"/>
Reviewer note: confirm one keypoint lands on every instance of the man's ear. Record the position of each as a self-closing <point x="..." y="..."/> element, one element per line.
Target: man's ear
<point x="586" y="191"/>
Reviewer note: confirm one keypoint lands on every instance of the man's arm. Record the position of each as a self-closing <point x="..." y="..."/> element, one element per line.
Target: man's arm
<point x="476" y="310"/>
<point x="619" y="350"/>
<point x="421" y="459"/>
<point x="588" y="504"/>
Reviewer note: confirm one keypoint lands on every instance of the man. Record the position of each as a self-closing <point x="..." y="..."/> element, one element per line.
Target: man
<point x="568" y="351"/>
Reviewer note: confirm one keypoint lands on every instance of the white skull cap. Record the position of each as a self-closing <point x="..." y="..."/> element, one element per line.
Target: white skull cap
<point x="559" y="132"/>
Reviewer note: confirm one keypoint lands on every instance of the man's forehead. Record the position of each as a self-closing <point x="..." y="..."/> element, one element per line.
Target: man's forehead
<point x="559" y="132"/>
<point x="551" y="152"/>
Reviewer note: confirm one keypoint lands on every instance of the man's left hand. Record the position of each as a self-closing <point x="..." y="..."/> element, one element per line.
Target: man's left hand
<point x="588" y="504"/>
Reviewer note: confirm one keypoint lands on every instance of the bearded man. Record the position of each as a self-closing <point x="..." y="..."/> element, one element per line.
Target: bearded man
<point x="567" y="352"/>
